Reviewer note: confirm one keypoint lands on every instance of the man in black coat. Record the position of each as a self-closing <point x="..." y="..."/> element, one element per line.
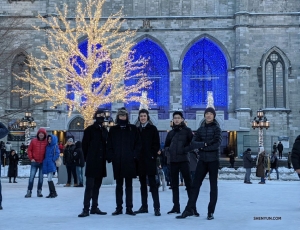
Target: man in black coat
<point x="296" y="155"/>
<point x="123" y="148"/>
<point x="247" y="160"/>
<point x="94" y="151"/>
<point x="176" y="141"/>
<point x="280" y="149"/>
<point x="147" y="162"/>
<point x="207" y="139"/>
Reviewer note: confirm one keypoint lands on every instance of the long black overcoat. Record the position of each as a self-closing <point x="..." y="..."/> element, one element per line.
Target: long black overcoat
<point x="123" y="148"/>
<point x="94" y="150"/>
<point x="13" y="165"/>
<point x="150" y="146"/>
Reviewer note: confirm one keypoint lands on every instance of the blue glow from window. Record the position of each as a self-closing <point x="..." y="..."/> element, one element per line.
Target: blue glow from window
<point x="83" y="46"/>
<point x="204" y="68"/>
<point x="157" y="71"/>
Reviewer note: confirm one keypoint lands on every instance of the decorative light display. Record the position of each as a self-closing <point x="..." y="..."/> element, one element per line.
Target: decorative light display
<point x="204" y="69"/>
<point x="157" y="70"/>
<point x="93" y="78"/>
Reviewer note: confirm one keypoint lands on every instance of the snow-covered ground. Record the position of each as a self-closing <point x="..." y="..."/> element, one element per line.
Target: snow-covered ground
<point x="240" y="206"/>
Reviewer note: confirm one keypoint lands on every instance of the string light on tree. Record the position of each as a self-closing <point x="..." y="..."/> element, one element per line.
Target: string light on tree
<point x="64" y="64"/>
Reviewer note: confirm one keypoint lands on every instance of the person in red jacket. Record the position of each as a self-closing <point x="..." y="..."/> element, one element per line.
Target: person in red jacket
<point x="36" y="154"/>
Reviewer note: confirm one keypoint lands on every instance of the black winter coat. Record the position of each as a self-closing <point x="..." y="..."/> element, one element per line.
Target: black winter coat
<point x="247" y="159"/>
<point x="13" y="165"/>
<point x="211" y="136"/>
<point x="78" y="154"/>
<point x="123" y="148"/>
<point x="176" y="142"/>
<point x="68" y="155"/>
<point x="94" y="150"/>
<point x="280" y="147"/>
<point x="150" y="146"/>
<point x="296" y="153"/>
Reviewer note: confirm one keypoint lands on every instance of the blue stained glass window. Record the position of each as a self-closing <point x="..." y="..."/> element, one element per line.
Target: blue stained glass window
<point x="204" y="68"/>
<point x="157" y="70"/>
<point x="83" y="46"/>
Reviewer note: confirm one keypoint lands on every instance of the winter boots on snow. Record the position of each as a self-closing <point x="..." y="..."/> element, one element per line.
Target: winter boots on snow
<point x="28" y="194"/>
<point x="52" y="192"/>
<point x="39" y="193"/>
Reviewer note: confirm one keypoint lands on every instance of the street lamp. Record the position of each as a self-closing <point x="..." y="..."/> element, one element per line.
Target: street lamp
<point x="108" y="120"/>
<point x="260" y="122"/>
<point x="27" y="123"/>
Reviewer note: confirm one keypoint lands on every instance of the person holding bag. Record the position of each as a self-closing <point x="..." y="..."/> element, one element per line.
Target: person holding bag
<point x="49" y="166"/>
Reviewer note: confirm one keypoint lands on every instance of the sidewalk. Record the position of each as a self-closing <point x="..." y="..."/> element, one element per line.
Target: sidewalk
<point x="238" y="205"/>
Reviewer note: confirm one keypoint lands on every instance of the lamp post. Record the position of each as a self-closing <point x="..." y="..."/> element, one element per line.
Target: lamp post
<point x="260" y="122"/>
<point x="108" y="121"/>
<point x="27" y="123"/>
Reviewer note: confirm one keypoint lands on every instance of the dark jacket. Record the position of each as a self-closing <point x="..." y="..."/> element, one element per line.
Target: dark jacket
<point x="78" y="155"/>
<point x="176" y="142"/>
<point x="68" y="155"/>
<point x="51" y="155"/>
<point x="211" y="136"/>
<point x="280" y="147"/>
<point x="193" y="160"/>
<point x="94" y="150"/>
<point x="260" y="168"/>
<point x="247" y="159"/>
<point x="150" y="146"/>
<point x="13" y="165"/>
<point x="123" y="148"/>
<point x="274" y="165"/>
<point x="296" y="153"/>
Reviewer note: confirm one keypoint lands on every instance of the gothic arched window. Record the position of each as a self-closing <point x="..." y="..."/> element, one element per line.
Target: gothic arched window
<point x="157" y="70"/>
<point x="77" y="124"/>
<point x="19" y="67"/>
<point x="204" y="69"/>
<point x="275" y="81"/>
<point x="80" y="67"/>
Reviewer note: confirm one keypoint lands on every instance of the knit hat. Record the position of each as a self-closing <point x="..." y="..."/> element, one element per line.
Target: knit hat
<point x="99" y="111"/>
<point x="178" y="113"/>
<point x="70" y="140"/>
<point x="248" y="150"/>
<point x="210" y="109"/>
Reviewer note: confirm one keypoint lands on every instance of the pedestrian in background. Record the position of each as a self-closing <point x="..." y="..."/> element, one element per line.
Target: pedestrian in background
<point x="231" y="158"/>
<point x="280" y="149"/>
<point x="69" y="162"/>
<point x="13" y="165"/>
<point x="79" y="162"/>
<point x="289" y="160"/>
<point x="260" y="165"/>
<point x="247" y="160"/>
<point x="274" y="164"/>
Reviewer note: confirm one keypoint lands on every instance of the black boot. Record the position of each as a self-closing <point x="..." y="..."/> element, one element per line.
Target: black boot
<point x="97" y="211"/>
<point x="52" y="186"/>
<point x="9" y="180"/>
<point x="130" y="212"/>
<point x="210" y="216"/>
<point x="39" y="193"/>
<point x="142" y="210"/>
<point x="85" y="213"/>
<point x="184" y="214"/>
<point x="196" y="213"/>
<point x="117" y="212"/>
<point x="157" y="212"/>
<point x="1" y="207"/>
<point x="50" y="191"/>
<point x="174" y="210"/>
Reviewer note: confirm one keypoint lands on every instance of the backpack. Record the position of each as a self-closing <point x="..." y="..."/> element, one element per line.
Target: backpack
<point x="273" y="159"/>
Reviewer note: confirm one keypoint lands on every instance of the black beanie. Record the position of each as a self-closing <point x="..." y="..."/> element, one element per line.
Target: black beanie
<point x="178" y="113"/>
<point x="99" y="111"/>
<point x="210" y="109"/>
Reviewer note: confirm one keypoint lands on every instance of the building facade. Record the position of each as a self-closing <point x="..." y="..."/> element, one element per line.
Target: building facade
<point x="245" y="53"/>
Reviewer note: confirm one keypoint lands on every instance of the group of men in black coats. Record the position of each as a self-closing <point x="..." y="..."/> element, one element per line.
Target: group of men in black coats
<point x="133" y="150"/>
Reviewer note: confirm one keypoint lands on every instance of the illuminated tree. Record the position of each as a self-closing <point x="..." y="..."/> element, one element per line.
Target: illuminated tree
<point x="65" y="66"/>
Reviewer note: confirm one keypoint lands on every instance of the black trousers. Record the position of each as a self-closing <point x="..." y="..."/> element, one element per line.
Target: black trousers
<point x="153" y="190"/>
<point x="280" y="154"/>
<point x="202" y="169"/>
<point x="91" y="192"/>
<point x="71" y="170"/>
<point x="128" y="192"/>
<point x="184" y="168"/>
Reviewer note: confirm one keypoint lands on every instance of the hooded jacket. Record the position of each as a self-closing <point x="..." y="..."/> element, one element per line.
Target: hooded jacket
<point x="52" y="154"/>
<point x="37" y="148"/>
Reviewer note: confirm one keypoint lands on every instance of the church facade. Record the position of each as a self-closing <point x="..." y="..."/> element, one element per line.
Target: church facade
<point x="243" y="53"/>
